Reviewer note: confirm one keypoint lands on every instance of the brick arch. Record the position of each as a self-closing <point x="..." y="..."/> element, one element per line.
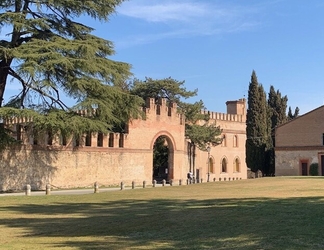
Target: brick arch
<point x="169" y="137"/>
<point x="172" y="147"/>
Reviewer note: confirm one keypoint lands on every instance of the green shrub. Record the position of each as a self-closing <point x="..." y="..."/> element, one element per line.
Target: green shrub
<point x="313" y="169"/>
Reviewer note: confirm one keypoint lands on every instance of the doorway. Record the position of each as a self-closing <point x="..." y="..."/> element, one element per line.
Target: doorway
<point x="162" y="159"/>
<point x="322" y="164"/>
<point x="304" y="168"/>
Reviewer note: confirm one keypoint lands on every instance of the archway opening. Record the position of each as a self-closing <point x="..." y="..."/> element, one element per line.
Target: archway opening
<point x="161" y="158"/>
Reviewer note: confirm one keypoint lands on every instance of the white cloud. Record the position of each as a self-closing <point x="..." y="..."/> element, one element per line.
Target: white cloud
<point x="158" y="12"/>
<point x="184" y="18"/>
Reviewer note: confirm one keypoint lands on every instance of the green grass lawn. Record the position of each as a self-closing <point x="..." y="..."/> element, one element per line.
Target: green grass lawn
<point x="267" y="213"/>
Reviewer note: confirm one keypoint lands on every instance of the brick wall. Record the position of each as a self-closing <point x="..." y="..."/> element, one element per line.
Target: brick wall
<point x="69" y="166"/>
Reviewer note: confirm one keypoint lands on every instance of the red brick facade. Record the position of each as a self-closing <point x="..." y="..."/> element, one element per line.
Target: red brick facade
<point x="299" y="143"/>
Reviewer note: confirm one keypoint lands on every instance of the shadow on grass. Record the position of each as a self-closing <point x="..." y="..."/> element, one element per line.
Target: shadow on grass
<point x="293" y="223"/>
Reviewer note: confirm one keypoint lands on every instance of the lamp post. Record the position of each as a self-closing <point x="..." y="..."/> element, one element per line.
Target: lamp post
<point x="208" y="173"/>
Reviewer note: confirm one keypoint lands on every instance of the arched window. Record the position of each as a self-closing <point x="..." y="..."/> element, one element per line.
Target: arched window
<point x="235" y="141"/>
<point x="211" y="165"/>
<point x="236" y="165"/>
<point x="224" y="141"/>
<point x="224" y="165"/>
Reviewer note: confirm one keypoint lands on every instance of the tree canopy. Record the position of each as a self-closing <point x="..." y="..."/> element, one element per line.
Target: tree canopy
<point x="49" y="54"/>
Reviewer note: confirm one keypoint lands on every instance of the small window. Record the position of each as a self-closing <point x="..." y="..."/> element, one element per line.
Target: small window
<point x="235" y="141"/>
<point x="49" y="137"/>
<point x="88" y="139"/>
<point x="100" y="139"/>
<point x="18" y="131"/>
<point x="111" y="140"/>
<point x="63" y="140"/>
<point x="224" y="141"/>
<point x="158" y="109"/>
<point x="76" y="141"/>
<point x="121" y="140"/>
<point x="35" y="142"/>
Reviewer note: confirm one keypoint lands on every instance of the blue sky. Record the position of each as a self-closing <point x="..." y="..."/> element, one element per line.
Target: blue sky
<point x="214" y="45"/>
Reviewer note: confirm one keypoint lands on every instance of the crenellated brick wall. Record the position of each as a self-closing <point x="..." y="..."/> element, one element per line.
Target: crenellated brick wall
<point x="123" y="157"/>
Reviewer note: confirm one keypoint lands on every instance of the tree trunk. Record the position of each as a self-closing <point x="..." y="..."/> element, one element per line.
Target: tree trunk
<point x="4" y="71"/>
<point x="194" y="159"/>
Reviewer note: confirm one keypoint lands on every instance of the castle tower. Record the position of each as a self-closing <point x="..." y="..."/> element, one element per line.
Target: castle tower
<point x="236" y="107"/>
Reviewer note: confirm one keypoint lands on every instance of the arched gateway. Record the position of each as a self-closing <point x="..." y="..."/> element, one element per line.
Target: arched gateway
<point x="163" y="157"/>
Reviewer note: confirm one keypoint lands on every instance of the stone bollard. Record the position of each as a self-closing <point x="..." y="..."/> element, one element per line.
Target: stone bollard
<point x="48" y="189"/>
<point x="193" y="181"/>
<point x="122" y="185"/>
<point x="154" y="183"/>
<point x="220" y="179"/>
<point x="180" y="182"/>
<point x="28" y="189"/>
<point x="133" y="184"/>
<point x="144" y="184"/>
<point x="188" y="181"/>
<point x="171" y="182"/>
<point x="214" y="179"/>
<point x="163" y="182"/>
<point x="96" y="187"/>
<point x="201" y="180"/>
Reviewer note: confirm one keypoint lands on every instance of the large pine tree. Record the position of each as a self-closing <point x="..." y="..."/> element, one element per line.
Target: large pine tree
<point x="49" y="54"/>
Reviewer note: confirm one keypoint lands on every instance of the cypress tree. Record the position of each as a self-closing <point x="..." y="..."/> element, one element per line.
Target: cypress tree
<point x="278" y="106"/>
<point x="291" y="115"/>
<point x="257" y="126"/>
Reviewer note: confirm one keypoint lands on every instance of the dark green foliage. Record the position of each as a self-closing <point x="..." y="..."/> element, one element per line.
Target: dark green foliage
<point x="257" y="129"/>
<point x="6" y="139"/>
<point x="50" y="54"/>
<point x="278" y="107"/>
<point x="291" y="115"/>
<point x="168" y="88"/>
<point x="313" y="169"/>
